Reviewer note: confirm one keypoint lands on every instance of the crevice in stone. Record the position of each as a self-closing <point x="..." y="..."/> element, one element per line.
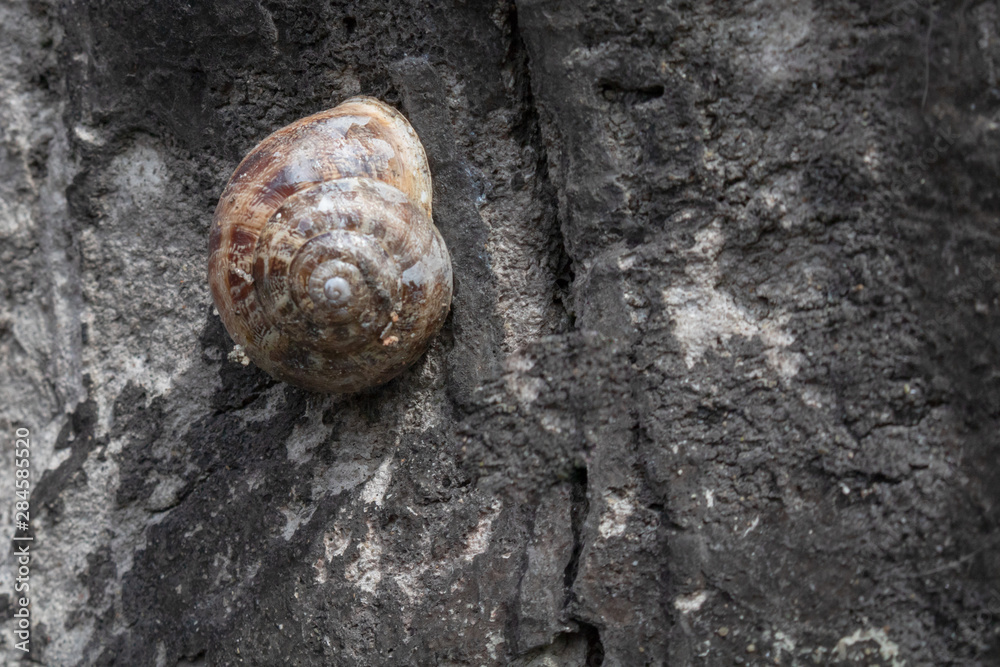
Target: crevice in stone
<point x="529" y="129"/>
<point x="197" y="660"/>
<point x="579" y="507"/>
<point x="595" y="649"/>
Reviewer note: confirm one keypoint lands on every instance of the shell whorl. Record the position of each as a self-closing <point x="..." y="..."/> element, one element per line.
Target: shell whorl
<point x="324" y="264"/>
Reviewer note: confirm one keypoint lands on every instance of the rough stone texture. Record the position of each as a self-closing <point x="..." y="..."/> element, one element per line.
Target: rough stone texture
<point x="719" y="385"/>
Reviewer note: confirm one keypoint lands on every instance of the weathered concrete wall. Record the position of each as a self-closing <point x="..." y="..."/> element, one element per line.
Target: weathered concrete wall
<point x="718" y="386"/>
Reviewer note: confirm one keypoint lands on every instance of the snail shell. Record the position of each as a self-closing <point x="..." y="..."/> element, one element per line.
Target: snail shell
<point x="324" y="262"/>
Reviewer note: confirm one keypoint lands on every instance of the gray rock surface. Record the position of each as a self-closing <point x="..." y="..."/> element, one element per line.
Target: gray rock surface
<point x="719" y="385"/>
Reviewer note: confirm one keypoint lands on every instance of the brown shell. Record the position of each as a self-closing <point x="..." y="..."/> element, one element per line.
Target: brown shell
<point x="324" y="262"/>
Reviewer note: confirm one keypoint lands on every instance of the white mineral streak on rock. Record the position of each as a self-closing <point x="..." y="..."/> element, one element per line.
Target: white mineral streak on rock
<point x="705" y="317"/>
<point x="523" y="387"/>
<point x="888" y="649"/>
<point x="341" y="477"/>
<point x="320" y="568"/>
<point x="295" y="515"/>
<point x="751" y="526"/>
<point x="773" y="41"/>
<point x="479" y="539"/>
<point x="336" y="541"/>
<point x="374" y="491"/>
<point x="364" y="571"/>
<point x="476" y="542"/>
<point x="690" y="603"/>
<point x="493" y="640"/>
<point x="307" y="436"/>
<point x="619" y="506"/>
<point x="141" y="187"/>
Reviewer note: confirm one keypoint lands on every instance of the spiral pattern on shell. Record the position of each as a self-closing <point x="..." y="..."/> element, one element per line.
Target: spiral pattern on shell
<point x="324" y="262"/>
